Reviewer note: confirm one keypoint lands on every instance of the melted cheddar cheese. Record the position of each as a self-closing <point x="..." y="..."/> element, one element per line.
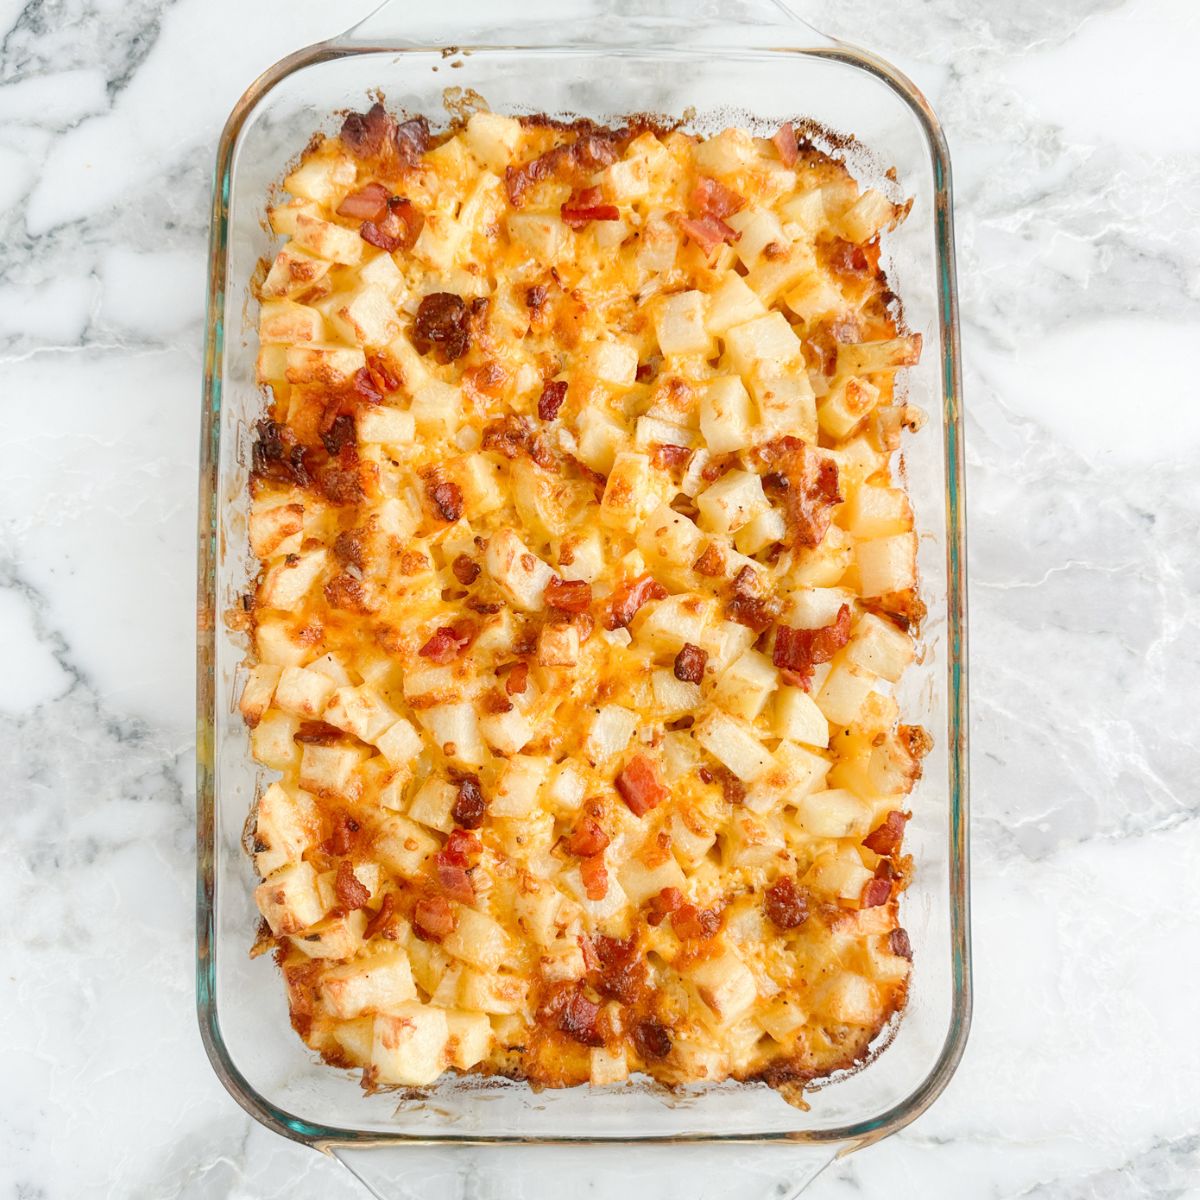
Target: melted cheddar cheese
<point x="583" y="587"/>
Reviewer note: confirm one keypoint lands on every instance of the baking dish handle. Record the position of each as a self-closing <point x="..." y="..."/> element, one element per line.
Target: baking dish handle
<point x="398" y="23"/>
<point x="622" y="1171"/>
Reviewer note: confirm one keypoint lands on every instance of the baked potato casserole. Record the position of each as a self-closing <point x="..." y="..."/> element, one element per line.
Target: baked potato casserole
<point x="584" y="586"/>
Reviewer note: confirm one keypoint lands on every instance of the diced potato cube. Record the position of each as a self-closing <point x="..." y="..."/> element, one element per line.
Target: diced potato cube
<point x="293" y="271"/>
<point x="752" y="840"/>
<point x="732" y="742"/>
<point x="543" y="233"/>
<point x="880" y="647"/>
<point x="403" y="845"/>
<point x="355" y="1038"/>
<point x="793" y="774"/>
<point x="814" y="296"/>
<point x="640" y="881"/>
<point x="726" y="986"/>
<point x="815" y="607"/>
<point x="607" y="1065"/>
<point x="679" y="324"/>
<point x="769" y="527"/>
<point x="726" y="505"/>
<point x="785" y="401"/>
<point x="323" y="363"/>
<point x="272" y="741"/>
<point x="477" y="939"/>
<point x="725" y="416"/>
<point x="274" y="529"/>
<point x="258" y="692"/>
<point x="844" y="692"/>
<point x="432" y="804"/>
<point x="329" y="770"/>
<point x="521" y="575"/>
<point x="659" y="244"/>
<point x="384" y="425"/>
<point x="759" y="229"/>
<point x="887" y="564"/>
<point x="506" y="732"/>
<point x="849" y="999"/>
<point x="782" y="1019"/>
<point x="562" y="961"/>
<point x="666" y="625"/>
<point x="634" y="489"/>
<point x="328" y="241"/>
<point x="587" y="556"/>
<point x="287" y="321"/>
<point x="691" y="837"/>
<point x="284" y="828"/>
<point x="410" y="1043"/>
<point x="365" y="316"/>
<point x="724" y="641"/>
<point x="841" y="875"/>
<point x="849" y="402"/>
<point x="672" y="541"/>
<point x="654" y="431"/>
<point x="437" y="406"/>
<point x="567" y="787"/>
<point x="746" y="685"/>
<point x="360" y="711"/>
<point x="289" y="900"/>
<point x="875" y="512"/>
<point x="517" y="792"/>
<point x="382" y="272"/>
<point x="769" y="338"/>
<point x="798" y="718"/>
<point x="322" y="177"/>
<point x="558" y="646"/>
<point x="379" y="984"/>
<point x="732" y="303"/>
<point x="492" y="992"/>
<point x="835" y="813"/>
<point x="611" y="362"/>
<point x="731" y="150"/>
<point x="470" y="1038"/>
<point x="337" y="936"/>
<point x="869" y="214"/>
<point x="774" y="276"/>
<point x="480" y="480"/>
<point x="611" y="730"/>
<point x="865" y="358"/>
<point x="600" y="437"/>
<point x="673" y="697"/>
<point x="537" y="908"/>
<point x="455" y="728"/>
<point x="283" y="217"/>
<point x="493" y="139"/>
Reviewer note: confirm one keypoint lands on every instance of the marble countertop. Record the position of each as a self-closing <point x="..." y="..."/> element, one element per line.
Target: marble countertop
<point x="1077" y="160"/>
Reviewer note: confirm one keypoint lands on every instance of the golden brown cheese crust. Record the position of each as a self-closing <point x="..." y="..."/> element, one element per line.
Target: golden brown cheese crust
<point x="583" y="589"/>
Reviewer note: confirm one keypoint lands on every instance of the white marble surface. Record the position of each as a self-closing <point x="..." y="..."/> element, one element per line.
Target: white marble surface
<point x="1076" y="144"/>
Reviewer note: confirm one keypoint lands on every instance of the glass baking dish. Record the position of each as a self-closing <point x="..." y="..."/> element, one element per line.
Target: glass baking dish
<point x="753" y="64"/>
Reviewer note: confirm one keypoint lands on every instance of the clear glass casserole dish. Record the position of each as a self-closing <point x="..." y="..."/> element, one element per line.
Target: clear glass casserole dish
<point x="753" y="64"/>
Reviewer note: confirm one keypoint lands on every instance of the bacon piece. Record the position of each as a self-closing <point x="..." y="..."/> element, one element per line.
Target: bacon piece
<point x="595" y="877"/>
<point x="621" y="968"/>
<point x="339" y="480"/>
<point x="551" y="399"/>
<point x="350" y="892"/>
<point x="317" y="733"/>
<point x="712" y="199"/>
<point x="348" y="593"/>
<point x="348" y="548"/>
<point x="886" y="838"/>
<point x="662" y="905"/>
<point x="363" y="134"/>
<point x="397" y="229"/>
<point x="711" y="563"/>
<point x="670" y="458"/>
<point x="812" y="489"/>
<point x="447" y="499"/>
<point x="442" y="321"/>
<point x="579" y="1019"/>
<point x="470" y="805"/>
<point x="849" y="258"/>
<point x="517" y="679"/>
<point x="651" y="1039"/>
<point x="707" y="232"/>
<point x="462" y="848"/>
<point x="747" y="607"/>
<point x="341" y="839"/>
<point x="733" y="790"/>
<point x="571" y="595"/>
<point x="591" y="152"/>
<point x="876" y="892"/>
<point x="364" y="388"/>
<point x="412" y="140"/>
<point x="786" y="905"/>
<point x="277" y="455"/>
<point x="629" y="597"/>
<point x="433" y="918"/>
<point x="639" y="785"/>
<point x="449" y="641"/>
<point x="587" y="838"/>
<point x="696" y="924"/>
<point x="465" y="569"/>
<point x="367" y="204"/>
<point x="380" y="922"/>
<point x="690" y="663"/>
<point x="454" y="880"/>
<point x="785" y="143"/>
<point x="339" y="435"/>
<point x="584" y="207"/>
<point x="899" y="944"/>
<point x="797" y="651"/>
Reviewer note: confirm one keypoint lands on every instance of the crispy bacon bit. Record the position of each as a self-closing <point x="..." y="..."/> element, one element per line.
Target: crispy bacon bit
<point x="899" y="944"/>
<point x="698" y="924"/>
<point x="494" y="702"/>
<point x="447" y="499"/>
<point x="339" y="435"/>
<point x="733" y="790"/>
<point x="367" y="204"/>
<point x="348" y="593"/>
<point x="848" y="258"/>
<point x="711" y="563"/>
<point x="342" y="837"/>
<point x="797" y="651"/>
<point x="785" y="143"/>
<point x="442" y="321"/>
<point x="348" y="548"/>
<point x="629" y="597"/>
<point x="551" y="399"/>
<point x="707" y="232"/>
<point x="363" y="134"/>
<point x="571" y="595"/>
<point x="511" y="436"/>
<point x="382" y="919"/>
<point x="465" y="569"/>
<point x="712" y="199"/>
<point x="589" y="153"/>
<point x="887" y="837"/>
<point x="350" y="892"/>
<point x="747" y="607"/>
<point x="461" y="848"/>
<point x="579" y="1019"/>
<point x="339" y="480"/>
<point x="662" y="905"/>
<point x="449" y="641"/>
<point x="397" y="229"/>
<point x="690" y="663"/>
<point x="587" y="838"/>
<point x="535" y="296"/>
<point x="317" y="733"/>
<point x="412" y="140"/>
<point x="517" y="679"/>
<point x="364" y="387"/>
<point x="812" y="488"/>
<point x="454" y="880"/>
<point x="277" y="455"/>
<point x="651" y="1039"/>
<point x="639" y="785"/>
<point x="470" y="806"/>
<point x="433" y="918"/>
<point x="621" y="968"/>
<point x="670" y="458"/>
<point x="786" y="904"/>
<point x="584" y="207"/>
<point x="595" y="877"/>
<point x="876" y="892"/>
